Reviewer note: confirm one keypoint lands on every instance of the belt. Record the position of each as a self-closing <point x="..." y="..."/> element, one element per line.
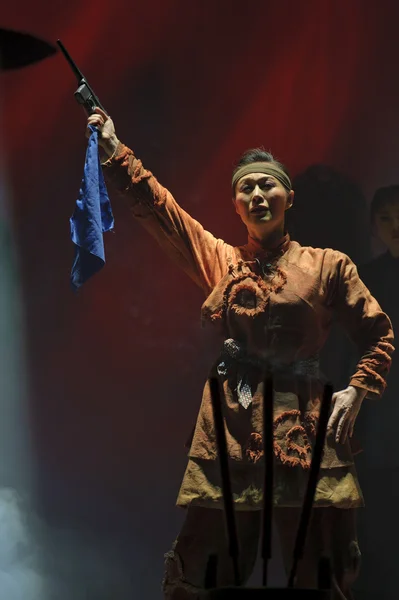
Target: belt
<point x="234" y="357"/>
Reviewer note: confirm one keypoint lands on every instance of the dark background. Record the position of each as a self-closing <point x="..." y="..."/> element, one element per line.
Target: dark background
<point x="114" y="375"/>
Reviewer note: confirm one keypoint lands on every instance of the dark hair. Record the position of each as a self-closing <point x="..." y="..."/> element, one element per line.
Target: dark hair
<point x="382" y="197"/>
<point x="258" y="155"/>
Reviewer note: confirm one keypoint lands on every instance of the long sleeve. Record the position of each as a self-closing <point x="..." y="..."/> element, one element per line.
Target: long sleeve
<point x="202" y="256"/>
<point x="362" y="317"/>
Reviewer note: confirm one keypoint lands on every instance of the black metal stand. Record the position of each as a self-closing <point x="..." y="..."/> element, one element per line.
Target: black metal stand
<point x="268" y="441"/>
<point x="231" y="528"/>
<point x="289" y="593"/>
<point x="312" y="483"/>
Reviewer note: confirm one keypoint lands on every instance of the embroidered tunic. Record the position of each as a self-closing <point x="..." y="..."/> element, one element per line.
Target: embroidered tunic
<point x="272" y="309"/>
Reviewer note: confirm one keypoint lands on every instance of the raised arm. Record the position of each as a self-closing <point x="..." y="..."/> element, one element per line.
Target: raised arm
<point x="202" y="256"/>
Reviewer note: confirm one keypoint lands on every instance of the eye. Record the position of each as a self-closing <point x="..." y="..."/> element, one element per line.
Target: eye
<point x="268" y="185"/>
<point x="246" y="189"/>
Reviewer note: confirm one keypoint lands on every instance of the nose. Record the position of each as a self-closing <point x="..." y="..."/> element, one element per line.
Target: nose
<point x="257" y="196"/>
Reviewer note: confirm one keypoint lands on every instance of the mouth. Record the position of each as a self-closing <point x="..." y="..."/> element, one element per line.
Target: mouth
<point x="259" y="210"/>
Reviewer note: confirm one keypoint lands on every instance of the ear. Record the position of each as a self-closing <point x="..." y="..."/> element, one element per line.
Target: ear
<point x="235" y="204"/>
<point x="290" y="200"/>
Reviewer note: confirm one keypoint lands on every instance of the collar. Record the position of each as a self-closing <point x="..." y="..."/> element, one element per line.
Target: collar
<point x="255" y="248"/>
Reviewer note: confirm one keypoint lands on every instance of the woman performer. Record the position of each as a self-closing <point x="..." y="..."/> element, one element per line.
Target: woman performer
<point x="272" y="302"/>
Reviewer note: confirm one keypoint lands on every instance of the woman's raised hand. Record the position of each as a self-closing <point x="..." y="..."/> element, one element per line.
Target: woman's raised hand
<point x="105" y="125"/>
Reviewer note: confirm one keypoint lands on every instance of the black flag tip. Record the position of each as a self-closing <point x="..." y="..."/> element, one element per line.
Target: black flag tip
<point x="19" y="49"/>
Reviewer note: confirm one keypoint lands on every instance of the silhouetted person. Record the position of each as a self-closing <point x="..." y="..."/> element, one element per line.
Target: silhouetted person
<point x="378" y="424"/>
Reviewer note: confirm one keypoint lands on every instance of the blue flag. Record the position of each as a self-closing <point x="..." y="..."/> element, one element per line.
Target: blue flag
<point x="91" y="218"/>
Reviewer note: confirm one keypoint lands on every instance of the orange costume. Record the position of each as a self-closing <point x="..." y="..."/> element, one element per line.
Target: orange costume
<point x="274" y="308"/>
<point x="271" y="308"/>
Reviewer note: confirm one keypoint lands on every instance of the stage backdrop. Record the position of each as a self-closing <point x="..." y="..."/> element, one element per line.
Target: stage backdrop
<point x="114" y="374"/>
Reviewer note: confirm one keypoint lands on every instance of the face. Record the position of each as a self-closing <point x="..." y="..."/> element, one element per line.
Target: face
<point x="261" y="202"/>
<point x="386" y="226"/>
